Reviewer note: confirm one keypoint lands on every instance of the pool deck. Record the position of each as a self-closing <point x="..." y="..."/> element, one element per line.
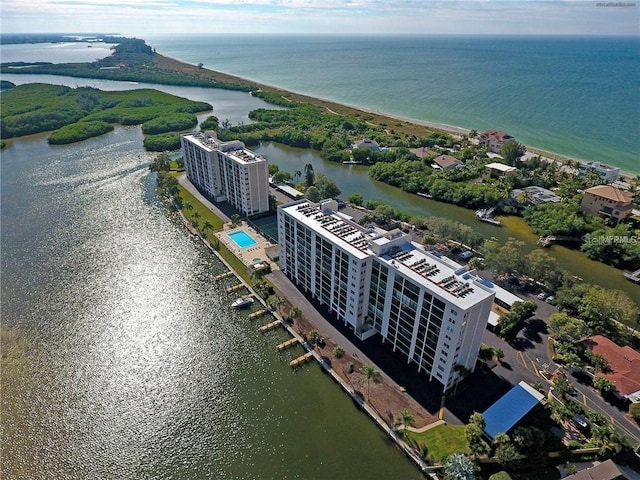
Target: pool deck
<point x="249" y="255"/>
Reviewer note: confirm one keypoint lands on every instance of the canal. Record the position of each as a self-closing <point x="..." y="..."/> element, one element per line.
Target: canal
<point x="355" y="179"/>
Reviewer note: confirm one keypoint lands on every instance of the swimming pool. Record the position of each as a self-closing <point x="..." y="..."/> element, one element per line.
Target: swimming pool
<point x="242" y="239"/>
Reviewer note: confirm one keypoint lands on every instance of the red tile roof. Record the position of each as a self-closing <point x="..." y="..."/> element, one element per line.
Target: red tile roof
<point x="610" y="193"/>
<point x="624" y="363"/>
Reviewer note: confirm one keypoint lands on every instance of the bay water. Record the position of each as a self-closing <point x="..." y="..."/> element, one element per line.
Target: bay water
<point x="122" y="357"/>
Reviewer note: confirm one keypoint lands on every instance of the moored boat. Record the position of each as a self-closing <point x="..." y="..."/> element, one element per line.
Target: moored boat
<point x="242" y="302"/>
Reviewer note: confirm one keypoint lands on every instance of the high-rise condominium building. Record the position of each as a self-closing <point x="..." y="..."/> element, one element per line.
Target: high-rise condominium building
<point x="431" y="309"/>
<point x="227" y="171"/>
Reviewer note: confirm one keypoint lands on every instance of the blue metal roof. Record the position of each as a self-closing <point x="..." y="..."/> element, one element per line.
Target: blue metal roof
<point x="503" y="415"/>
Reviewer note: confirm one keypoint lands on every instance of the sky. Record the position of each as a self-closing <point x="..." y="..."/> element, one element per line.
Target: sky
<point x="159" y="17"/>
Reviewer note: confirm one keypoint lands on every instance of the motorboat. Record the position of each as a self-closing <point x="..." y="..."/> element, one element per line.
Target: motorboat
<point x="242" y="302"/>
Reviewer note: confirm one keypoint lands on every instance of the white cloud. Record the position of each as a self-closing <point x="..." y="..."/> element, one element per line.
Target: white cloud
<point x="318" y="16"/>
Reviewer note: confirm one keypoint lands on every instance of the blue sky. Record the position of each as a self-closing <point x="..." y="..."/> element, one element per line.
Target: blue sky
<point x="157" y="17"/>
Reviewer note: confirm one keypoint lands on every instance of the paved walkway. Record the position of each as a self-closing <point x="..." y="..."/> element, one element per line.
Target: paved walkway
<point x="187" y="185"/>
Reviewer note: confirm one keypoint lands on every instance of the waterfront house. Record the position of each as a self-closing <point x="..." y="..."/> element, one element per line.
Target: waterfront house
<point x="534" y="195"/>
<point x="368" y="144"/>
<point x="493" y="140"/>
<point x="606" y="173"/>
<point x="226" y="172"/>
<point x="607" y="201"/>
<point x="430" y="309"/>
<point x="446" y="162"/>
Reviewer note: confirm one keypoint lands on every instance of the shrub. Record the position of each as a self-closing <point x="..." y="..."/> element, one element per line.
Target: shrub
<point x="634" y="411"/>
<point x="338" y="351"/>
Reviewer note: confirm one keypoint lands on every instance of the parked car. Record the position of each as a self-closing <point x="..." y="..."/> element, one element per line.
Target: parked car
<point x="541" y="296"/>
<point x="550" y="299"/>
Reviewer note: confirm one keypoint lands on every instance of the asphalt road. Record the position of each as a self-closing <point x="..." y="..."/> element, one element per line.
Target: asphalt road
<point x="527" y="356"/>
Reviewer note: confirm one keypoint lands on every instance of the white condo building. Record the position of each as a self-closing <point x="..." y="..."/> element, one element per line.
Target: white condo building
<point x="226" y="171"/>
<point x="432" y="310"/>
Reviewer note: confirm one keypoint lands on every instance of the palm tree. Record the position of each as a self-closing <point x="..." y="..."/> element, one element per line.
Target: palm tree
<point x="297" y="174"/>
<point x="294" y="313"/>
<point x="186" y="205"/>
<point x="406" y="417"/>
<point x="369" y="373"/>
<point x="315" y="338"/>
<point x="277" y="302"/>
<point x="196" y="215"/>
<point x="207" y="225"/>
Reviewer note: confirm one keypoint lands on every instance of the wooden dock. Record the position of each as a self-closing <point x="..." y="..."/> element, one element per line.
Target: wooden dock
<point x="257" y="314"/>
<point x="270" y="326"/>
<point x="634" y="277"/>
<point x="223" y="275"/>
<point x="301" y="360"/>
<point x="289" y="343"/>
<point x="235" y="287"/>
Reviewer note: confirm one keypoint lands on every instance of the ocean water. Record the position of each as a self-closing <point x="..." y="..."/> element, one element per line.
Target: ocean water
<point x="577" y="96"/>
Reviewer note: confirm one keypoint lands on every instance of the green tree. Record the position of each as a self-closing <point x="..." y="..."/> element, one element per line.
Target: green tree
<point x="356" y="199"/>
<point x="281" y="176"/>
<point x="603" y="385"/>
<point x="634" y="411"/>
<point x="309" y="174"/>
<point x="295" y="312"/>
<point x="405" y="417"/>
<point x="327" y="188"/>
<point x="207" y="225"/>
<point x="277" y="302"/>
<point x="565" y="327"/>
<point x="312" y="194"/>
<point x="600" y="306"/>
<point x="315" y="339"/>
<point x="369" y="374"/>
<point x="459" y="467"/>
<point x="511" y="151"/>
<point x="338" y="351"/>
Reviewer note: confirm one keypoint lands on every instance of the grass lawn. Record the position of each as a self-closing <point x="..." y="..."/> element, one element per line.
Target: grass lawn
<point x="442" y="440"/>
<point x="203" y="214"/>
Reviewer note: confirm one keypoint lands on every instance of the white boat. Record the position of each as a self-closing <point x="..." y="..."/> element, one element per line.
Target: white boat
<point x="242" y="302"/>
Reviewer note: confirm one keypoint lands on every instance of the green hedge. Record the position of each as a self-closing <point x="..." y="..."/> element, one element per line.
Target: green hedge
<point x="162" y="142"/>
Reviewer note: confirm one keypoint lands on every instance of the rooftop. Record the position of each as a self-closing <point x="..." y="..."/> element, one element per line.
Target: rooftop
<point x="446" y="161"/>
<point x="235" y="148"/>
<point x="500" y="167"/>
<point x="446" y="277"/>
<point x="606" y="470"/>
<point x="610" y="193"/>
<point x="624" y="363"/>
<point x="512" y="407"/>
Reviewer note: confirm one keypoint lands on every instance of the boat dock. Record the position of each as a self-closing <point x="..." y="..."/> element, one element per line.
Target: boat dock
<point x="223" y="275"/>
<point x="235" y="287"/>
<point x="270" y="326"/>
<point x="301" y="360"/>
<point x="634" y="276"/>
<point x="257" y="314"/>
<point x="289" y="343"/>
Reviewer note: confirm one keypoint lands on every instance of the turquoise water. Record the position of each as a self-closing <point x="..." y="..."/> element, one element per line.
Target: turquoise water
<point x="577" y="96"/>
<point x="242" y="239"/>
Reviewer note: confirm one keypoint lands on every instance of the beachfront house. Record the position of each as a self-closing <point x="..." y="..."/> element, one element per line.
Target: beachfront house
<point x="427" y="308"/>
<point x="493" y="140"/>
<point x="607" y="201"/>
<point x="606" y="173"/>
<point x="226" y="172"/>
<point x="534" y="195"/>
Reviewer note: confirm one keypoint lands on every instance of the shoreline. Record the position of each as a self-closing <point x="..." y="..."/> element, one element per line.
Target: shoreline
<point x="429" y="124"/>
